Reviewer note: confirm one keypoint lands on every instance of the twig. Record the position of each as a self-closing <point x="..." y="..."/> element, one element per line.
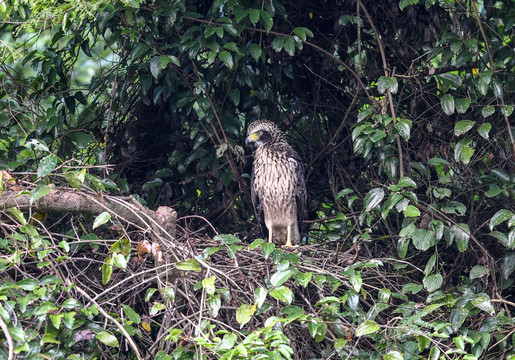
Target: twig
<point x="10" y="343"/>
<point x="109" y="317"/>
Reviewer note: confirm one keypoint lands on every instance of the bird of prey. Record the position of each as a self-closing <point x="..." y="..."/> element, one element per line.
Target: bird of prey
<point x="278" y="188"/>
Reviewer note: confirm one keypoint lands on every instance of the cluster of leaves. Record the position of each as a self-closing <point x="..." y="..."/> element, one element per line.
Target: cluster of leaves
<point x="405" y="105"/>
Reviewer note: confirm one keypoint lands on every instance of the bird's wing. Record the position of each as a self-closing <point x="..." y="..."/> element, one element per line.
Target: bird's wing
<point x="301" y="196"/>
<point x="258" y="209"/>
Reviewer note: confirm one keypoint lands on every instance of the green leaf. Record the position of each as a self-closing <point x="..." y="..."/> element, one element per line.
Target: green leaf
<point x="131" y="314"/>
<point x="47" y="165"/>
<point x="278" y="43"/>
<point x="497" y="88"/>
<point x="458" y="317"/>
<point x="101" y="219"/>
<point x="209" y="285"/>
<point x="267" y="20"/>
<point x="303" y="279"/>
<point x="423" y="239"/>
<point x="108" y="339"/>
<point x="254" y="16"/>
<point x="447" y="102"/>
<point x="214" y="303"/>
<point x="462" y="105"/>
<point x="507" y="110"/>
<point x="228" y="239"/>
<point x="289" y="46"/>
<point x="260" y="296"/>
<point x="478" y="271"/>
<point x="302" y="33"/>
<point x="430" y="264"/>
<point x="463" y="152"/>
<point x="463" y="126"/>
<point x="282" y="293"/>
<point x="393" y="355"/>
<point x="373" y="198"/>
<point x="382" y="84"/>
<point x="461" y="233"/>
<point x="500" y="217"/>
<point x="411" y="211"/>
<point x="507" y="241"/>
<point x="508" y="265"/>
<point x="107" y="270"/>
<point x="244" y="313"/>
<point x="432" y="282"/>
<point x="255" y="51"/>
<point x="367" y="327"/>
<point x="267" y="249"/>
<point x="75" y="178"/>
<point x="280" y="277"/>
<point x="484" y="129"/>
<point x="404" y="3"/>
<point x="39" y="191"/>
<point x="403" y="126"/>
<point x="190" y="264"/>
<point x="228" y="340"/>
<point x="482" y="302"/>
<point x="487" y="110"/>
<point x="157" y="64"/>
<point x="406" y="182"/>
<point x="226" y="57"/>
<point x="451" y="79"/>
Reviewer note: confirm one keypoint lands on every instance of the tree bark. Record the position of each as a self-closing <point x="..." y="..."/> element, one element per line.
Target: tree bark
<point x="125" y="209"/>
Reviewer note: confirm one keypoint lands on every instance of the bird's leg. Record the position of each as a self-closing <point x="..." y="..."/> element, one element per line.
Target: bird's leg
<point x="270" y="234"/>
<point x="288" y="238"/>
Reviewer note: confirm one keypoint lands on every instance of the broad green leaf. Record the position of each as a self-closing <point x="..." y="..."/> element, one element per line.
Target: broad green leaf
<point x="411" y="211"/>
<point x="282" y="293"/>
<point x="226" y="57"/>
<point x="260" y="296"/>
<point x="484" y="129"/>
<point x="430" y="264"/>
<point x="209" y="285"/>
<point x="367" y="327"/>
<point x="373" y="198"/>
<point x="229" y="340"/>
<point x="255" y="51"/>
<point x="487" y="110"/>
<point x="190" y="264"/>
<point x="478" y="271"/>
<point x="463" y="152"/>
<point x="101" y="219"/>
<point x="382" y="84"/>
<point x="75" y="178"/>
<point x="278" y="43"/>
<point x="463" y="126"/>
<point x="457" y="317"/>
<point x="228" y="239"/>
<point x="403" y="126"/>
<point x="108" y="339"/>
<point x="508" y="265"/>
<point x="47" y="165"/>
<point x="500" y="217"/>
<point x="462" y="104"/>
<point x="461" y="233"/>
<point x="214" y="303"/>
<point x="302" y="33"/>
<point x="289" y="46"/>
<point x="267" y="20"/>
<point x="497" y="88"/>
<point x="393" y="355"/>
<point x="119" y="261"/>
<point x="39" y="191"/>
<point x="432" y="282"/>
<point x="280" y="277"/>
<point x="356" y="282"/>
<point x="447" y="102"/>
<point x="131" y="314"/>
<point x="404" y="3"/>
<point x="244" y="313"/>
<point x="18" y="215"/>
<point x="107" y="270"/>
<point x="451" y="79"/>
<point x="423" y="239"/>
<point x="267" y="249"/>
<point x="303" y="279"/>
<point x="482" y="302"/>
<point x="254" y="15"/>
<point x="504" y="239"/>
<point x="507" y="110"/>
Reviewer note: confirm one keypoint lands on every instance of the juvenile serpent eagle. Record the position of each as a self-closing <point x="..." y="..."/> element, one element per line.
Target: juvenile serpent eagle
<point x="278" y="188"/>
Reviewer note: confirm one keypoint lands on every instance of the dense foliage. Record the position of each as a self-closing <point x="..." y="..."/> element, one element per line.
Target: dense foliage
<point x="401" y="110"/>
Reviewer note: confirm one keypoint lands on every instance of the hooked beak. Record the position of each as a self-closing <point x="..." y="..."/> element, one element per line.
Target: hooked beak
<point x="250" y="139"/>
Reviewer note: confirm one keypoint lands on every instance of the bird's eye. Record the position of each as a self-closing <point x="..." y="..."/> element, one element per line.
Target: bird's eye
<point x="260" y="132"/>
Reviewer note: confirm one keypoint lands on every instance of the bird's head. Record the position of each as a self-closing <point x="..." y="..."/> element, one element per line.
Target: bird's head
<point x="261" y="132"/>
